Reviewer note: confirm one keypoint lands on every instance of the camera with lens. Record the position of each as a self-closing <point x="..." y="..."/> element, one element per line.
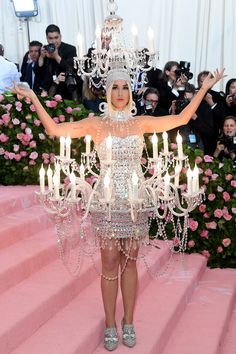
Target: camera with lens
<point x="70" y="78"/>
<point x="229" y="142"/>
<point x="184" y="68"/>
<point x="233" y="96"/>
<point x="50" y="48"/>
<point x="181" y="104"/>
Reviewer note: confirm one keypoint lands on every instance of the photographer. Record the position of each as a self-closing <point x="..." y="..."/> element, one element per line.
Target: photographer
<point x="147" y="104"/>
<point x="226" y="146"/>
<point x="230" y="100"/>
<point x="172" y="82"/>
<point x="55" y="58"/>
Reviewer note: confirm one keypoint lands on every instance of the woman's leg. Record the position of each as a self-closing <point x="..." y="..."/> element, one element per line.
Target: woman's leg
<point x="129" y="282"/>
<point x="110" y="266"/>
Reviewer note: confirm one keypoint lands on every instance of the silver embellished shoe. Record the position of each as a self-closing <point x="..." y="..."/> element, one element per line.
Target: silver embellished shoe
<point x="128" y="335"/>
<point x="110" y="338"/>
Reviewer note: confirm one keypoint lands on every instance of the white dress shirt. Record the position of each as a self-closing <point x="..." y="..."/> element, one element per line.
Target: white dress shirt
<point x="8" y="74"/>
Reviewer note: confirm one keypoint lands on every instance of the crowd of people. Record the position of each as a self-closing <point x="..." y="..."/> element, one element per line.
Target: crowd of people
<point x="50" y="68"/>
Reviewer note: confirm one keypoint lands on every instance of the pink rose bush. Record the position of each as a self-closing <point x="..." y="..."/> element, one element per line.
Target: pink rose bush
<point x="23" y="140"/>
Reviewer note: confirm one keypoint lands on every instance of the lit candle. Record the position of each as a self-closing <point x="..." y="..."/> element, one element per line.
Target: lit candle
<point x="167" y="185"/>
<point x="98" y="38"/>
<point x="58" y="172"/>
<point x="151" y="40"/>
<point x="62" y="146"/>
<point x="81" y="171"/>
<point x="68" y="146"/>
<point x="109" y="148"/>
<point x="80" y="42"/>
<point x="87" y="140"/>
<point x="72" y="185"/>
<point x="56" y="185"/>
<point x="42" y="179"/>
<point x="107" y="191"/>
<point x="179" y="146"/>
<point x="154" y="145"/>
<point x="49" y="175"/>
<point x="165" y="142"/>
<point x="189" y="181"/>
<point x="135" y="185"/>
<point x="134" y="32"/>
<point x="195" y="179"/>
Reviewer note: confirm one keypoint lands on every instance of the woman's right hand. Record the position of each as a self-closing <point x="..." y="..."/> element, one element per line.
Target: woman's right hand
<point x="22" y="90"/>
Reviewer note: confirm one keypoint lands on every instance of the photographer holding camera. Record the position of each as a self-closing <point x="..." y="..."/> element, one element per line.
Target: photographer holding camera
<point x="226" y="146"/>
<point x="230" y="99"/>
<point x="172" y="83"/>
<point x="56" y="59"/>
<point x="147" y="104"/>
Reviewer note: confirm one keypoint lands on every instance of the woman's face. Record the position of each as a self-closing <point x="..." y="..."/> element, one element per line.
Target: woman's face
<point x="120" y="94"/>
<point x="229" y="127"/>
<point x="232" y="88"/>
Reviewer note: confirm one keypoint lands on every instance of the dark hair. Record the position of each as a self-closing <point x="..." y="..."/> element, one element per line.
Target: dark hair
<point x="228" y="85"/>
<point x="229" y="117"/>
<point x="35" y="44"/>
<point x="189" y="88"/>
<point x="168" y="67"/>
<point x="1" y="50"/>
<point x="150" y="90"/>
<point x="202" y="73"/>
<point x="52" y="28"/>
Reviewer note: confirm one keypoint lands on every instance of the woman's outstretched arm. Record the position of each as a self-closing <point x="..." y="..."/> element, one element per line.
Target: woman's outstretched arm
<point x="164" y="123"/>
<point x="74" y="129"/>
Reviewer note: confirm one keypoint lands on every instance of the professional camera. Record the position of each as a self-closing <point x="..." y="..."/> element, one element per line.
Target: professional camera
<point x="50" y="48"/>
<point x="181" y="104"/>
<point x="229" y="142"/>
<point x="70" y="78"/>
<point x="184" y="68"/>
<point x="233" y="96"/>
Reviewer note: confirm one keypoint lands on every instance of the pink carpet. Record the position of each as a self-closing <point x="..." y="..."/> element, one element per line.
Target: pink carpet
<point x="44" y="310"/>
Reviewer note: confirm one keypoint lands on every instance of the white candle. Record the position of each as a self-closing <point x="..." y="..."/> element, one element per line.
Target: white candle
<point x="167" y="185"/>
<point x="72" y="185"/>
<point x="80" y="42"/>
<point x="189" y="181"/>
<point x="135" y="185"/>
<point x="98" y="38"/>
<point x="179" y="146"/>
<point x="81" y="171"/>
<point x="49" y="175"/>
<point x="195" y="179"/>
<point x="154" y="145"/>
<point x="58" y="172"/>
<point x="134" y="32"/>
<point x="107" y="191"/>
<point x="56" y="185"/>
<point x="88" y="141"/>
<point x="165" y="142"/>
<point x="68" y="146"/>
<point x="151" y="40"/>
<point x="42" y="179"/>
<point x="109" y="148"/>
<point x="62" y="146"/>
<point x="177" y="173"/>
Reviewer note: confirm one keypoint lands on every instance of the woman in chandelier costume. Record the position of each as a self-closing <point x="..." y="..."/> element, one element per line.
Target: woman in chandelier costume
<point x="120" y="238"/>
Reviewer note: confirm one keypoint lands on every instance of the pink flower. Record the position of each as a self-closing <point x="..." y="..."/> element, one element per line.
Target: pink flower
<point x="226" y="196"/>
<point x="233" y="183"/>
<point x="226" y="242"/>
<point x="33" y="155"/>
<point x="143" y="160"/>
<point x="51" y="104"/>
<point x="219" y="249"/>
<point x="6" y="118"/>
<point x="1" y="98"/>
<point x="173" y="146"/>
<point x="32" y="144"/>
<point x="202" y="208"/>
<point x="77" y="109"/>
<point x="58" y="98"/>
<point x="228" y="177"/>
<point x="15" y="121"/>
<point x="214" y="176"/>
<point x="3" y="138"/>
<point x="2" y="151"/>
<point x="45" y="156"/>
<point x="8" y="106"/>
<point x="69" y="110"/>
<point x="233" y="210"/>
<point x="206" y="253"/>
<point x="208" y="158"/>
<point x="151" y="171"/>
<point x="227" y="217"/>
<point x="18" y="106"/>
<point x="208" y="172"/>
<point x="16" y="147"/>
<point x="32" y="163"/>
<point x="23" y="126"/>
<point x="27" y="100"/>
<point x="44" y="94"/>
<point x="219" y="189"/>
<point x="204" y="233"/>
<point x="23" y="153"/>
<point x="28" y="131"/>
<point x="206" y="215"/>
<point x="61" y="118"/>
<point x="205" y="180"/>
<point x="218" y="213"/>
<point x="191" y="244"/>
<point x="193" y="225"/>
<point x="37" y="122"/>
<point x="56" y="119"/>
<point x="211" y="225"/>
<point x="32" y="108"/>
<point x="198" y="159"/>
<point x="42" y="136"/>
<point x="17" y="157"/>
<point x="211" y="197"/>
<point x="11" y="155"/>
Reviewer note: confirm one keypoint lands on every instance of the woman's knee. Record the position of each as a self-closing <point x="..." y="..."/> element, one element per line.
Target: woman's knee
<point x="110" y="261"/>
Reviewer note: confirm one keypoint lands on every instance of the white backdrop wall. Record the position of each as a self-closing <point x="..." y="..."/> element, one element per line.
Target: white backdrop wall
<point x="200" y="31"/>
